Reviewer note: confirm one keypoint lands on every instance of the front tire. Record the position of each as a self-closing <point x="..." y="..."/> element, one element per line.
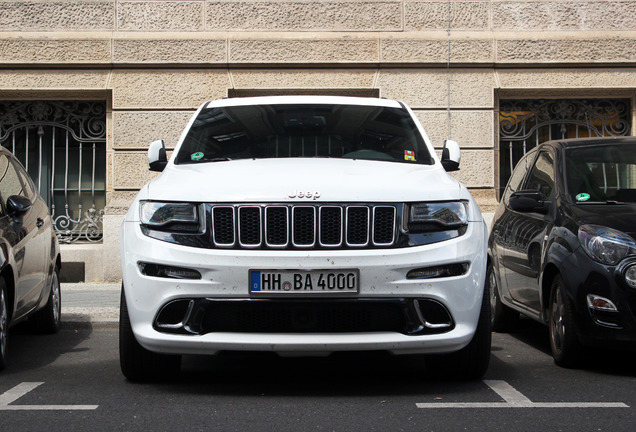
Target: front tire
<point x="503" y="318"/>
<point x="564" y="342"/>
<point x="47" y="320"/>
<point x="471" y="362"/>
<point x="4" y="324"/>
<point x="137" y="363"/>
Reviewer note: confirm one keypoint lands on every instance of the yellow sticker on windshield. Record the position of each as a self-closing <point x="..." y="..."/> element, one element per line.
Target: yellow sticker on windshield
<point x="409" y="155"/>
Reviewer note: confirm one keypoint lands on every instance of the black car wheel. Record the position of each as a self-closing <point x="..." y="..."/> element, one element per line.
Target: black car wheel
<point x="136" y="362"/>
<point x="563" y="339"/>
<point x="4" y="324"/>
<point x="471" y="362"/>
<point x="503" y="319"/>
<point x="47" y="319"/>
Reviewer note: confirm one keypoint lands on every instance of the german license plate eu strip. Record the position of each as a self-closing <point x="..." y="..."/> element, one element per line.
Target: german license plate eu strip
<point x="304" y="282"/>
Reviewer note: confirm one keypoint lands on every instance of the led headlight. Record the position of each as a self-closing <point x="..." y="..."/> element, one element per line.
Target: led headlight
<point x="163" y="214"/>
<point x="606" y="245"/>
<point x="438" y="216"/>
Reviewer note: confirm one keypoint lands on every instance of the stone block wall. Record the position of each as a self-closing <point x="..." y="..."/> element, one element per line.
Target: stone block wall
<point x="156" y="61"/>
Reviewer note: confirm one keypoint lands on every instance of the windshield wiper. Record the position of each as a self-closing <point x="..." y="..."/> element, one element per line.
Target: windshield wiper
<point x="607" y="202"/>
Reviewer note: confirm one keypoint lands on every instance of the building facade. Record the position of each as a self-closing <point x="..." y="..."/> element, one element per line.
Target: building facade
<point x="86" y="85"/>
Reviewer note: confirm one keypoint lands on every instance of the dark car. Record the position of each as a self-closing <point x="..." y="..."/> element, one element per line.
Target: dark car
<point x="29" y="255"/>
<point x="562" y="245"/>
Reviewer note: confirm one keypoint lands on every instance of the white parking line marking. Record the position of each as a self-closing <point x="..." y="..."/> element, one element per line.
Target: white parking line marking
<point x="21" y="389"/>
<point x="514" y="399"/>
<point x="509" y="394"/>
<point x="17" y="392"/>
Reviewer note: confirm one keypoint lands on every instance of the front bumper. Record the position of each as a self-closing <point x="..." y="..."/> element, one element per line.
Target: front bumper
<point x="225" y="281"/>
<point x="597" y="327"/>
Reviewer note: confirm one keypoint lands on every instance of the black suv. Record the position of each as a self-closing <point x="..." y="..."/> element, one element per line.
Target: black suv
<point x="563" y="248"/>
<point x="29" y="255"/>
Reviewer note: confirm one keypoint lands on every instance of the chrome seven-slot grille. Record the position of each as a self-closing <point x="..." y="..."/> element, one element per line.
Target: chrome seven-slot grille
<point x="303" y="226"/>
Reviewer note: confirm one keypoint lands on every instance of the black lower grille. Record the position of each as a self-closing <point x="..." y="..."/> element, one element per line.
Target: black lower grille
<point x="302" y="317"/>
<point x="406" y="316"/>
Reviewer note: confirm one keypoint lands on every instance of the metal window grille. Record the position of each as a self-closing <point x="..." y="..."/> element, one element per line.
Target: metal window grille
<point x="62" y="145"/>
<point x="524" y="124"/>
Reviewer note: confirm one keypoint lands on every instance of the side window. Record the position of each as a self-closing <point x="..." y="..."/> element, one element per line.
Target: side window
<point x="10" y="183"/>
<point x="29" y="188"/>
<point x="519" y="173"/>
<point x="542" y="176"/>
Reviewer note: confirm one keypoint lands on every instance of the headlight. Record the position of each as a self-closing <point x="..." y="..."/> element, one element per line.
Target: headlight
<point x="606" y="245"/>
<point x="437" y="216"/>
<point x="163" y="214"/>
<point x="630" y="276"/>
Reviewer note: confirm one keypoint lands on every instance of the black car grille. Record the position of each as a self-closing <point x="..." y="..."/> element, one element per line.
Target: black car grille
<point x="255" y="317"/>
<point x="303" y="226"/>
<point x="407" y="316"/>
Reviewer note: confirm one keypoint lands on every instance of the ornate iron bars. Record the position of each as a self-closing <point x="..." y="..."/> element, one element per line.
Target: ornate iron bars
<point x="523" y="124"/>
<point x="62" y="144"/>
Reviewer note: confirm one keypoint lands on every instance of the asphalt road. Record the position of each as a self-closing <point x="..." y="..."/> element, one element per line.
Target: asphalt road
<point x="71" y="381"/>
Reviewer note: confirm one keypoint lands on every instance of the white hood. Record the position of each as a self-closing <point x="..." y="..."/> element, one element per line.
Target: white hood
<point x="311" y="180"/>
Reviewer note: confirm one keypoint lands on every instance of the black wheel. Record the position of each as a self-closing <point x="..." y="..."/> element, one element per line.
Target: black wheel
<point x="47" y="320"/>
<point x="503" y="319"/>
<point x="564" y="343"/>
<point x="4" y="324"/>
<point x="137" y="363"/>
<point x="471" y="362"/>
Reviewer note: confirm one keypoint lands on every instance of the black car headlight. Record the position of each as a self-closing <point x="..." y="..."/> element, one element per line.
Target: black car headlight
<point x="606" y="245"/>
<point x="438" y="216"/>
<point x="170" y="216"/>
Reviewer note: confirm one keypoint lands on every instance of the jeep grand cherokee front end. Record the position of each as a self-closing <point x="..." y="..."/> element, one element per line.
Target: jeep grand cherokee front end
<point x="303" y="225"/>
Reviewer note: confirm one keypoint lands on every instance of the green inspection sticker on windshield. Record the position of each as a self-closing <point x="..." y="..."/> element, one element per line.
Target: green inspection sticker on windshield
<point x="196" y="156"/>
<point x="583" y="197"/>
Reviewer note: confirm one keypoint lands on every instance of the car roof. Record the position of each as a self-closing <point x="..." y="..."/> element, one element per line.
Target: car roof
<point x="585" y="142"/>
<point x="309" y="100"/>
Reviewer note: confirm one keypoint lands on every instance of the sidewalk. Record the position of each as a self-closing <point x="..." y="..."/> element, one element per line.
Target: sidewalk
<point x="90" y="303"/>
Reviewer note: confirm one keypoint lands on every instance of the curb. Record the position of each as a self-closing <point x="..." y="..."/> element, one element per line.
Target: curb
<point x="90" y="303"/>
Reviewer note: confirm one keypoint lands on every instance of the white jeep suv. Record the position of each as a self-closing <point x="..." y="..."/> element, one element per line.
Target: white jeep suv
<point x="303" y="225"/>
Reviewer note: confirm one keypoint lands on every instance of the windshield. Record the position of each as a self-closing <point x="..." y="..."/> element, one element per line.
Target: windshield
<point x="602" y="173"/>
<point x="303" y="130"/>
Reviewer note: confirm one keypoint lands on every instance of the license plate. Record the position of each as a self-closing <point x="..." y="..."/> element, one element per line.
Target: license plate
<point x="304" y="281"/>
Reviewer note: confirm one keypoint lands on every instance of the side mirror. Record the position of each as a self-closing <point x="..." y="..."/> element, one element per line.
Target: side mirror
<point x="451" y="156"/>
<point x="18" y="205"/>
<point x="157" y="158"/>
<point x="528" y="202"/>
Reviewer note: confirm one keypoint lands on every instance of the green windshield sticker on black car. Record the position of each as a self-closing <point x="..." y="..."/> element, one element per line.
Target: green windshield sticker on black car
<point x="196" y="156"/>
<point x="583" y="197"/>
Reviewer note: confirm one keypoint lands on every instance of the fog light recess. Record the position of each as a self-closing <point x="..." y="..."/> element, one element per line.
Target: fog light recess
<point x="603" y="311"/>
<point x="630" y="276"/>
<point x="441" y="271"/>
<point x="170" y="272"/>
<point x="599" y="303"/>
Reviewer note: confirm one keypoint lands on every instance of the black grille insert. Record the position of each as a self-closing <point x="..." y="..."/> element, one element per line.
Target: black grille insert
<point x="223" y="223"/>
<point x="357" y="226"/>
<point x="304" y="226"/>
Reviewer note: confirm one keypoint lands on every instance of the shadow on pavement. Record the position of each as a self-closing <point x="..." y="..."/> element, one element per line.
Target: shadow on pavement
<point x="373" y="374"/>
<point x="599" y="360"/>
<point x="28" y="350"/>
